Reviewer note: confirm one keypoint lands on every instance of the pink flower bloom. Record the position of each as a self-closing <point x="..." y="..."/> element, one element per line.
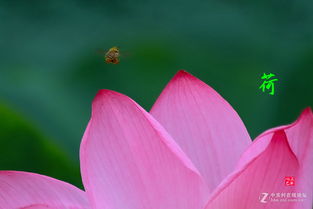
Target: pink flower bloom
<point x="192" y="151"/>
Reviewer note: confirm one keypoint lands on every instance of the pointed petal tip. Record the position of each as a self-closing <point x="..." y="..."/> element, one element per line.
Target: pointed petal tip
<point x="100" y="94"/>
<point x="182" y="74"/>
<point x="105" y="94"/>
<point x="105" y="98"/>
<point x="307" y="110"/>
<point x="185" y="78"/>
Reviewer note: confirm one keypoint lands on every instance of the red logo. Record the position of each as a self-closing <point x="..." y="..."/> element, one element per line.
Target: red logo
<point x="290" y="181"/>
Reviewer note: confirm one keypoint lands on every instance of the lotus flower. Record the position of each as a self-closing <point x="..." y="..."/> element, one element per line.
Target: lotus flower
<point x="192" y="151"/>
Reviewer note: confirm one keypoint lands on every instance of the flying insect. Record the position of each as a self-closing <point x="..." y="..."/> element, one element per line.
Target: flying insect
<point x="112" y="55"/>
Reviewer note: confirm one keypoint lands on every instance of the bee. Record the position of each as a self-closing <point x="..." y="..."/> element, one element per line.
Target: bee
<point x="112" y="55"/>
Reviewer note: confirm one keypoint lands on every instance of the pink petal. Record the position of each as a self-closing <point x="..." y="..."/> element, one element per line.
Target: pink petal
<point x="273" y="156"/>
<point x="128" y="160"/>
<point x="33" y="191"/>
<point x="204" y="125"/>
<point x="38" y="207"/>
<point x="300" y="138"/>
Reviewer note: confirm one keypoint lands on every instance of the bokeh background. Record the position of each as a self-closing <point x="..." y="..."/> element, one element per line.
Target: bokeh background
<point x="50" y="68"/>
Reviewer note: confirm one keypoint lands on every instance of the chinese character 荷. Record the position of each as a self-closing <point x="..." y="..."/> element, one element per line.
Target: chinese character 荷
<point x="268" y="84"/>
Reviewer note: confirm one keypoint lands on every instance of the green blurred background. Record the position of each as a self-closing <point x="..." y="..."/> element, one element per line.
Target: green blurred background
<point x="50" y="69"/>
